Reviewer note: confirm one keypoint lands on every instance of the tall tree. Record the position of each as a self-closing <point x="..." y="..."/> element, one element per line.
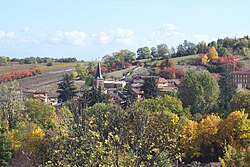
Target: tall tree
<point x="150" y="88"/>
<point x="201" y="47"/>
<point x="227" y="90"/>
<point x="66" y="89"/>
<point x="199" y="90"/>
<point x="130" y="96"/>
<point x="81" y="70"/>
<point x="241" y="101"/>
<point x="11" y="105"/>
<point x="143" y="53"/>
<point x="163" y="50"/>
<point x="212" y="53"/>
<point x="5" y="150"/>
<point x="3" y="60"/>
<point x="223" y="52"/>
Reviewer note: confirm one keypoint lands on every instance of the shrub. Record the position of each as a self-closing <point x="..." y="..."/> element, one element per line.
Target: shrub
<point x="5" y="150"/>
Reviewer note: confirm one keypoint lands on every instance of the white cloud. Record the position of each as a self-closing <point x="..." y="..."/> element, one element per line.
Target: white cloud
<point x="73" y="37"/>
<point x="6" y="35"/>
<point x="104" y="38"/>
<point x="169" y="27"/>
<point x="123" y="36"/>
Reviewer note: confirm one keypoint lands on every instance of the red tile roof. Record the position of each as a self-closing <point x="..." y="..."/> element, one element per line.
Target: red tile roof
<point x="162" y="80"/>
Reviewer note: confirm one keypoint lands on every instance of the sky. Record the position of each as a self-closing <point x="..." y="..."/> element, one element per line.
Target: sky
<point x="89" y="29"/>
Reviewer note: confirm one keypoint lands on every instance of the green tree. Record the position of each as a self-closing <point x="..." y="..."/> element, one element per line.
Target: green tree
<point x="201" y="47"/>
<point x="5" y="150"/>
<point x="227" y="90"/>
<point x="66" y="89"/>
<point x="81" y="70"/>
<point x="40" y="113"/>
<point x="91" y="68"/>
<point x="3" y="60"/>
<point x="143" y="53"/>
<point x="241" y="101"/>
<point x="124" y="56"/>
<point x="199" y="90"/>
<point x="11" y="105"/>
<point x="243" y="51"/>
<point x="162" y="50"/>
<point x="130" y="96"/>
<point x="150" y="88"/>
<point x="223" y="52"/>
<point x="89" y="80"/>
<point x="233" y="157"/>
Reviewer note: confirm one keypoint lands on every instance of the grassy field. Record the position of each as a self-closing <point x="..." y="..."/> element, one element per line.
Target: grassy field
<point x="56" y="66"/>
<point x="176" y="59"/>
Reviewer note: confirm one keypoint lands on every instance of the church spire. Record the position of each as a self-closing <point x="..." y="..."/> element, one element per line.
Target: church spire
<point x="98" y="74"/>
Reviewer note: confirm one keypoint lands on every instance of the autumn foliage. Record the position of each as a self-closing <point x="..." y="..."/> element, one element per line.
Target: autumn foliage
<point x="168" y="69"/>
<point x="19" y="74"/>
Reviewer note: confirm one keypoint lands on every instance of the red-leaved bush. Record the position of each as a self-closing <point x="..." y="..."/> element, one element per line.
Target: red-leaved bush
<point x="19" y="74"/>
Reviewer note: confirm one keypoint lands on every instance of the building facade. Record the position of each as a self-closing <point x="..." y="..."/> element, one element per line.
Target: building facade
<point x="242" y="79"/>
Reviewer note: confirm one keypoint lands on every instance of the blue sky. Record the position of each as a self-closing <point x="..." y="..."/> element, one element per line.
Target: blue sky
<point x="90" y="29"/>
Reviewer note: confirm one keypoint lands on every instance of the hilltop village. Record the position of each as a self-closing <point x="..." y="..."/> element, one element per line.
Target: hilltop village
<point x="155" y="107"/>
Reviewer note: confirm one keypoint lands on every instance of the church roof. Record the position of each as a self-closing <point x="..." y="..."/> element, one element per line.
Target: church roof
<point x="98" y="73"/>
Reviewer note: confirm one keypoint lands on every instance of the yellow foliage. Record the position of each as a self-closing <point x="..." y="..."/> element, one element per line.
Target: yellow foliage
<point x="235" y="129"/>
<point x="35" y="137"/>
<point x="14" y="142"/>
<point x="204" y="59"/>
<point x="37" y="134"/>
<point x="209" y="125"/>
<point x="212" y="53"/>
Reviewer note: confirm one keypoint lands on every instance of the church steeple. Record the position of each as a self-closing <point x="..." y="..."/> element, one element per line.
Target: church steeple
<point x="98" y="79"/>
<point x="98" y="73"/>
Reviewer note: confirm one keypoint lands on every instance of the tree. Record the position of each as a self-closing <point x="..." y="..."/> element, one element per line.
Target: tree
<point x="162" y="50"/>
<point x="163" y="104"/>
<point x="212" y="44"/>
<point x="40" y="113"/>
<point x="124" y="56"/>
<point x="227" y="90"/>
<point x="81" y="70"/>
<point x="199" y="90"/>
<point x="3" y="60"/>
<point x="66" y="89"/>
<point x="241" y="101"/>
<point x="243" y="51"/>
<point x="91" y="68"/>
<point x="5" y="150"/>
<point x="223" y="52"/>
<point x="180" y="50"/>
<point x="143" y="53"/>
<point x="11" y="105"/>
<point x="235" y="157"/>
<point x="212" y="54"/>
<point x="201" y="47"/>
<point x="150" y="88"/>
<point x="130" y="96"/>
<point x="154" y="52"/>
